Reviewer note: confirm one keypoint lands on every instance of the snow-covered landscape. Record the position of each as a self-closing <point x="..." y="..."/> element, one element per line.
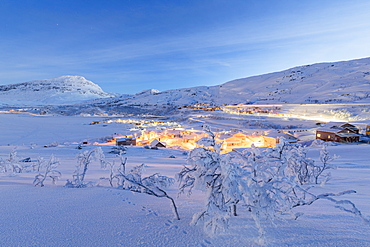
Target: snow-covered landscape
<point x="52" y="128"/>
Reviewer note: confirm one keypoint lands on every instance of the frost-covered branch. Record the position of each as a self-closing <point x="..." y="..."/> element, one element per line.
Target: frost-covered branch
<point x="84" y="160"/>
<point x="50" y="172"/>
<point x="143" y="186"/>
<point x="325" y="159"/>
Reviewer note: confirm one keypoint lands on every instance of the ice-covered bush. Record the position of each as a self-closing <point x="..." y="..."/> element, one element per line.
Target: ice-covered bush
<point x="134" y="181"/>
<point x="153" y="185"/>
<point x="263" y="183"/>
<point x="50" y="171"/>
<point x="11" y="164"/>
<point x="325" y="159"/>
<point x="84" y="160"/>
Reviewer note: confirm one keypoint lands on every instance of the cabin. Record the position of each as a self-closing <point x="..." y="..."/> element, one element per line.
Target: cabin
<point x="367" y="130"/>
<point x="126" y="141"/>
<point x="272" y="137"/>
<point x="238" y="140"/>
<point x="172" y="134"/>
<point x="351" y="127"/>
<point x="158" y="144"/>
<point x="287" y="137"/>
<point x="338" y="132"/>
<point x="142" y="143"/>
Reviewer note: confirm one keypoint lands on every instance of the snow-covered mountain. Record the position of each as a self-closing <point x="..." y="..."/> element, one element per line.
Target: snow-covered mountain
<point x="338" y="82"/>
<point x="55" y="91"/>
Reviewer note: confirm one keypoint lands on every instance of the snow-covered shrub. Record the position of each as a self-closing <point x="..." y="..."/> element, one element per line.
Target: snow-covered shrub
<point x="134" y="181"/>
<point x="317" y="143"/>
<point x="84" y="160"/>
<point x="264" y="183"/>
<point x="49" y="172"/>
<point x="208" y="171"/>
<point x="325" y="158"/>
<point x="11" y="164"/>
<point x="157" y="180"/>
<point x="119" y="150"/>
<point x="298" y="165"/>
<point x="152" y="185"/>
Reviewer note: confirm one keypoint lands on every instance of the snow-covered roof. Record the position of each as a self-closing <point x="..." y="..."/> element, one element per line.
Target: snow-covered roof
<point x="125" y="139"/>
<point x="333" y="129"/>
<point x="278" y="134"/>
<point x="329" y="130"/>
<point x="334" y="124"/>
<point x="155" y="142"/>
<point x="173" y="132"/>
<point x="347" y="134"/>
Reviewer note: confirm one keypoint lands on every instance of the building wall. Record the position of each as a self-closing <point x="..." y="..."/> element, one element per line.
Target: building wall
<point x="127" y="142"/>
<point x="326" y="136"/>
<point x="330" y="136"/>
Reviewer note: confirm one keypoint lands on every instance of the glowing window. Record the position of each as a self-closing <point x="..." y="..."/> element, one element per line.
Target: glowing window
<point x="318" y="135"/>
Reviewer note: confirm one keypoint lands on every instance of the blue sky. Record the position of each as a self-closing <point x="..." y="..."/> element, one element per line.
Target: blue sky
<point x="129" y="46"/>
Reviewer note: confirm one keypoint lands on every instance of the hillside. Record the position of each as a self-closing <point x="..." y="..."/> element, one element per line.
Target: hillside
<point x="55" y="91"/>
<point x="339" y="82"/>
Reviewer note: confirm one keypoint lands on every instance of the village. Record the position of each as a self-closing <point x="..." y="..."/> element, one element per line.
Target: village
<point x="251" y="109"/>
<point x="161" y="134"/>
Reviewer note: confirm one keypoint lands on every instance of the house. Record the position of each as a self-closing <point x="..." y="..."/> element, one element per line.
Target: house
<point x="142" y="143"/>
<point x="156" y="143"/>
<point x="173" y="133"/>
<point x="338" y="132"/>
<point x="351" y="126"/>
<point x="272" y="137"/>
<point x="288" y="138"/>
<point x="126" y="141"/>
<point x="367" y="130"/>
<point x="238" y="140"/>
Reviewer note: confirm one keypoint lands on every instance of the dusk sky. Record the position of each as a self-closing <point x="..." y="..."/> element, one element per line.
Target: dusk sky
<point x="129" y="46"/>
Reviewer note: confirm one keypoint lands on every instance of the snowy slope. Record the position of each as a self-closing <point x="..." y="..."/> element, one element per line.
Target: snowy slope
<point x="338" y="82"/>
<point x="55" y="91"/>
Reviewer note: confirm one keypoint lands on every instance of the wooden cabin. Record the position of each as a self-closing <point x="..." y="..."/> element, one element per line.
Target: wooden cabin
<point x="272" y="137"/>
<point x="158" y="144"/>
<point x="338" y="132"/>
<point x="127" y="141"/>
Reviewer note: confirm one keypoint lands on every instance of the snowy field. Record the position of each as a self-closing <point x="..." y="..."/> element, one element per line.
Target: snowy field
<point x="54" y="215"/>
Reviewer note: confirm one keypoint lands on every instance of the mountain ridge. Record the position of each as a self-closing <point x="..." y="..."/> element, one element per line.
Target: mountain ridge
<point x="336" y="82"/>
<point x="60" y="90"/>
<point x="320" y="83"/>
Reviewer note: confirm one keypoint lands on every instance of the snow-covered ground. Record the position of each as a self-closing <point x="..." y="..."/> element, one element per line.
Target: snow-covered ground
<point x="104" y="216"/>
